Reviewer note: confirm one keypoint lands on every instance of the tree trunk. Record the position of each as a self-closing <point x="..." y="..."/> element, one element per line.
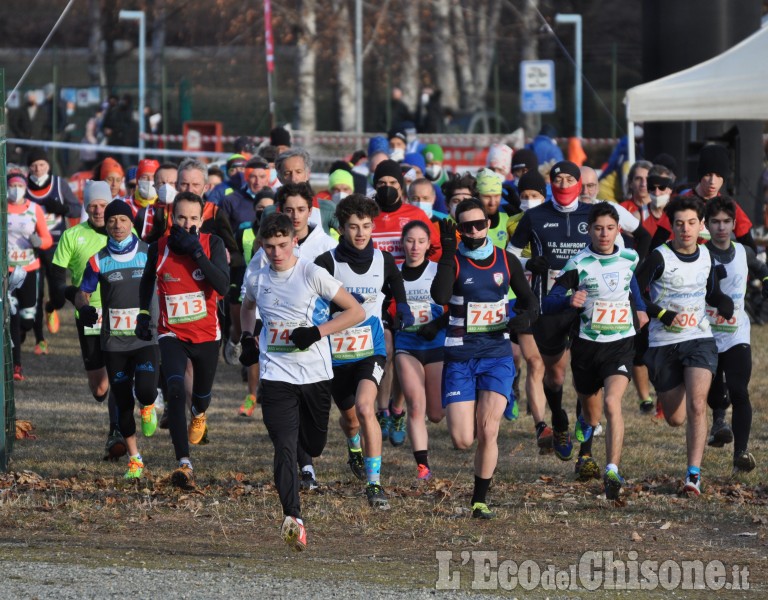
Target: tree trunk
<point x="345" y="65"/>
<point x="529" y="42"/>
<point x="109" y="26"/>
<point x="445" y="65"/>
<point x="486" y="31"/>
<point x="96" y="74"/>
<point x="158" y="51"/>
<point x="410" y="36"/>
<point x="307" y="60"/>
<point x="463" y="58"/>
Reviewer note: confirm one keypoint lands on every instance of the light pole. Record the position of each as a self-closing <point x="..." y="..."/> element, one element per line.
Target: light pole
<point x="359" y="66"/>
<point x="575" y="20"/>
<point x="138" y="15"/>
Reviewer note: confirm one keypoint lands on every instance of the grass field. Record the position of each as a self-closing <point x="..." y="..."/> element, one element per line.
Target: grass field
<point x="61" y="502"/>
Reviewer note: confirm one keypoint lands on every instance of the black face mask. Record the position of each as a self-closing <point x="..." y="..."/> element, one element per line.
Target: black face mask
<point x="472" y="243"/>
<point x="386" y="196"/>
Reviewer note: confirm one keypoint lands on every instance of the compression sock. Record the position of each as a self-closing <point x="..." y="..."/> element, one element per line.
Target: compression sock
<point x="421" y="457"/>
<point x="555" y="403"/>
<point x="354" y="442"/>
<point x="481" y="489"/>
<point x="373" y="469"/>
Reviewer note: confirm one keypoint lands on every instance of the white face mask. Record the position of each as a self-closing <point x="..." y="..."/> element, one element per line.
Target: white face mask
<point x="146" y="189"/>
<point x="39" y="180"/>
<point x="166" y="194"/>
<point x="397" y="155"/>
<point x="526" y="204"/>
<point x="433" y="172"/>
<point x="337" y="197"/>
<point x="426" y="207"/>
<point x="659" y="201"/>
<point x="16" y="194"/>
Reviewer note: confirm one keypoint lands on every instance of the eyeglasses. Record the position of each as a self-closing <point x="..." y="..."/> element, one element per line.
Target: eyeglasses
<point x="469" y="226"/>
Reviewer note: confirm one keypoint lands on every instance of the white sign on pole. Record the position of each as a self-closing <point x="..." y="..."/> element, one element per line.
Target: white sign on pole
<point x="537" y="86"/>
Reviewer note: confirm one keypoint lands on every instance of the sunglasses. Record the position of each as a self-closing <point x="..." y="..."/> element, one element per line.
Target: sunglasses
<point x="658" y="187"/>
<point x="469" y="226"/>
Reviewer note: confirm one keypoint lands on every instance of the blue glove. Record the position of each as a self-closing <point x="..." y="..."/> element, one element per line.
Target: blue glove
<point x="183" y="242"/>
<point x="404" y="315"/>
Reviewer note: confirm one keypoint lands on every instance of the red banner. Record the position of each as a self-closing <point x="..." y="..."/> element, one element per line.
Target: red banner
<point x="268" y="42"/>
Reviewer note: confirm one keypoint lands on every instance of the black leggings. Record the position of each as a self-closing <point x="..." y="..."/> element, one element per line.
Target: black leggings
<point x="294" y="415"/>
<point x="24" y="318"/>
<point x="136" y="369"/>
<point x="46" y="274"/>
<point x="174" y="355"/>
<point x="734" y="370"/>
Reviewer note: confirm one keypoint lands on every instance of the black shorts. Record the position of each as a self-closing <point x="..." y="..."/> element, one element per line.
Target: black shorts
<point x="666" y="363"/>
<point x="346" y="378"/>
<point x="553" y="333"/>
<point x="594" y="362"/>
<point x="641" y="346"/>
<point x="425" y="357"/>
<point x="90" y="349"/>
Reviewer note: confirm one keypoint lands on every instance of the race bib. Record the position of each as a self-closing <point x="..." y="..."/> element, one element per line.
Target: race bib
<point x="122" y="321"/>
<point x="20" y="257"/>
<point x="611" y="317"/>
<point x="353" y="343"/>
<point x="687" y="318"/>
<point x="184" y="308"/>
<point x="483" y="317"/>
<point x="94" y="329"/>
<point x="279" y="335"/>
<point x="721" y="324"/>
<point x="422" y="314"/>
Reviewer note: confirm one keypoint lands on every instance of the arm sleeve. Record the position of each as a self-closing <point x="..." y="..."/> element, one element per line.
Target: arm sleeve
<point x="394" y="279"/>
<point x="58" y="285"/>
<point x="557" y="300"/>
<point x="442" y="284"/>
<point x="634" y="288"/>
<point x="662" y="232"/>
<point x="522" y="236"/>
<point x="215" y="268"/>
<point x="642" y="241"/>
<point x="756" y="267"/>
<point x="147" y="285"/>
<point x="650" y="270"/>
<point x="325" y="260"/>
<point x="90" y="280"/>
<point x="42" y="229"/>
<point x="747" y="240"/>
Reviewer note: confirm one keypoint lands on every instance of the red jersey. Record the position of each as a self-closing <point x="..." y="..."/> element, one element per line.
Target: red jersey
<point x="187" y="302"/>
<point x="388" y="231"/>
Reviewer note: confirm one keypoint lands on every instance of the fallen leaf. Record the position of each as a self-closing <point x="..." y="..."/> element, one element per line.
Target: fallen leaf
<point x="666" y="525"/>
<point x="636" y="537"/>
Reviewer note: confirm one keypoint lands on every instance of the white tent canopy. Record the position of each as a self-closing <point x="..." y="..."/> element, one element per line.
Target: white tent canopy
<point x="732" y="85"/>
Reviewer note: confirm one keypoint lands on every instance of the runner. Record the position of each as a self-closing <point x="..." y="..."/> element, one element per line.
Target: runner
<point x="132" y="364"/>
<point x="359" y="352"/>
<point x="556" y="231"/>
<point x="292" y="296"/>
<point x="76" y="246"/>
<point x="419" y="349"/>
<point x="479" y="370"/>
<point x="732" y="336"/>
<point x="682" y="354"/>
<point x="601" y="277"/>
<point x="192" y="274"/>
<point x="28" y="235"/>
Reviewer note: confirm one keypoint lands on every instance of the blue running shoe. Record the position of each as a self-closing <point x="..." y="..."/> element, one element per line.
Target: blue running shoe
<point x="613" y="483"/>
<point x="385" y="422"/>
<point x="563" y="445"/>
<point x="397" y="429"/>
<point x="583" y="430"/>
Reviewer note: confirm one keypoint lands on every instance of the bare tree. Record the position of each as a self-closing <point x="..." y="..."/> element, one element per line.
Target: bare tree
<point x="445" y="65"/>
<point x="410" y="36"/>
<point x="529" y="43"/>
<point x="307" y="60"/>
<point x="96" y="73"/>
<point x="157" y="8"/>
<point x="345" y="65"/>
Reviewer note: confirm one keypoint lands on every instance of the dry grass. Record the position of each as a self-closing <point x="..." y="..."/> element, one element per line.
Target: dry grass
<point x="59" y="490"/>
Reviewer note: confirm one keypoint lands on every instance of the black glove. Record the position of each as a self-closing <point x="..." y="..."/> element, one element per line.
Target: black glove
<point x="54" y="207"/>
<point x="142" y="329"/>
<point x="185" y="242"/>
<point x="538" y="265"/>
<point x="89" y="316"/>
<point x="404" y="315"/>
<point x="304" y="337"/>
<point x="668" y="317"/>
<point x="448" y="237"/>
<point x="765" y="288"/>
<point x="430" y="330"/>
<point x="725" y="307"/>
<point x="250" y="353"/>
<point x="520" y="322"/>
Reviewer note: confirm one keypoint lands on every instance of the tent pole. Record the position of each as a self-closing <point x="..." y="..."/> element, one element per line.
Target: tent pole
<point x="631" y="142"/>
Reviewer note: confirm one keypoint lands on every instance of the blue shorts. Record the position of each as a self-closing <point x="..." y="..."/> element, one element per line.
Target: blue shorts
<point x="462" y="380"/>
